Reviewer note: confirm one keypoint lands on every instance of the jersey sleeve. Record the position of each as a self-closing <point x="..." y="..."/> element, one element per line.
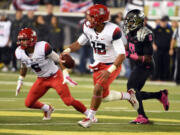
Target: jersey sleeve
<point x="83" y="39"/>
<point x="48" y="49"/>
<point x="117" y="34"/>
<point x="148" y="41"/>
<point x="18" y="54"/>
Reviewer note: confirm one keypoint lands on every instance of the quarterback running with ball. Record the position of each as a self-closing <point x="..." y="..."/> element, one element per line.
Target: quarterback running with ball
<point x="109" y="53"/>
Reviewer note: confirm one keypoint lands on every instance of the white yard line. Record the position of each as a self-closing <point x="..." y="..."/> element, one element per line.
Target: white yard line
<point x="89" y="79"/>
<point x="58" y="123"/>
<point x="105" y="109"/>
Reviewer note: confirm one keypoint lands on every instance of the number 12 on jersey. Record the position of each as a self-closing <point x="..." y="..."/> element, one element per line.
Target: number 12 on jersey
<point x="99" y="48"/>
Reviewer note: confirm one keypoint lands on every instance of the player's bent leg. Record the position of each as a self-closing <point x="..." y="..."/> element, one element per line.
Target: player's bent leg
<point x="133" y="100"/>
<point x="113" y="96"/>
<point x="95" y="103"/>
<point x="164" y="99"/>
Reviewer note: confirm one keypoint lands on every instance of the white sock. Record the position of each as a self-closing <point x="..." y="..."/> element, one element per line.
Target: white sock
<point x="126" y="95"/>
<point x="45" y="108"/>
<point x="86" y="112"/>
<point x="91" y="114"/>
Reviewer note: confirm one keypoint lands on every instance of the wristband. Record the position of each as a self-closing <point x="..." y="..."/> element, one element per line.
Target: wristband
<point x="21" y="78"/>
<point x="111" y="68"/>
<point x="67" y="50"/>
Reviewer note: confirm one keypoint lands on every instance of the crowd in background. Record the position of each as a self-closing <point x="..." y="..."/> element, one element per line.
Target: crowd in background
<point x="49" y="29"/>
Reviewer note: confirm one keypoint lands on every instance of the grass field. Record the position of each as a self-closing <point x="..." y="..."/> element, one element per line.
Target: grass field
<point x="114" y="117"/>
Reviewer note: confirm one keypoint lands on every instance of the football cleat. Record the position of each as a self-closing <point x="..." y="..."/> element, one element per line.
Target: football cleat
<point x="47" y="115"/>
<point x="86" y="122"/>
<point x="140" y="120"/>
<point x="94" y="120"/>
<point x="164" y="99"/>
<point x="133" y="100"/>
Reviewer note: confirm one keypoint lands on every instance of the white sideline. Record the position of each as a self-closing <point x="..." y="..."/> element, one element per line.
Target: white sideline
<point x="100" y="110"/>
<point x="57" y="123"/>
<point x="88" y="80"/>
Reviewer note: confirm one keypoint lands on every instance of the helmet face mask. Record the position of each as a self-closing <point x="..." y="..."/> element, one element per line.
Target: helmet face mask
<point x="27" y="38"/>
<point x="97" y="15"/>
<point x="134" y="20"/>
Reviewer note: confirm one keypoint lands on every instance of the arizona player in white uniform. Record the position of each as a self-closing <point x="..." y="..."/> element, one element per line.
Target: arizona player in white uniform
<point x="40" y="58"/>
<point x="109" y="53"/>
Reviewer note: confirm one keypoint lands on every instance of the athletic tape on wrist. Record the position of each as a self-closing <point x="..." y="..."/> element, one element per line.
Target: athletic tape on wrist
<point x="111" y="68"/>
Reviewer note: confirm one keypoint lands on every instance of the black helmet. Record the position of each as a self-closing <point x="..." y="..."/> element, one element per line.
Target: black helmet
<point x="134" y="19"/>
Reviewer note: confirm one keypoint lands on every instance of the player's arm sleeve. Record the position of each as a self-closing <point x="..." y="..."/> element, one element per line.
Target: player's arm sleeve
<point x="117" y="41"/>
<point x="119" y="46"/>
<point x="83" y="39"/>
<point x="48" y="49"/>
<point x="18" y="54"/>
<point x="148" y="48"/>
<point x="54" y="56"/>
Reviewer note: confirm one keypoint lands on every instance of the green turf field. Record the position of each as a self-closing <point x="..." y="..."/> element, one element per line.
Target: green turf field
<point x="114" y="117"/>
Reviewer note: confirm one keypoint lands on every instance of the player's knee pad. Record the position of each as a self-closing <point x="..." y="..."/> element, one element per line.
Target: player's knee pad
<point x="113" y="95"/>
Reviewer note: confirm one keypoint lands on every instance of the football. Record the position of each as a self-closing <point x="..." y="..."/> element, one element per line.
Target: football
<point x="69" y="62"/>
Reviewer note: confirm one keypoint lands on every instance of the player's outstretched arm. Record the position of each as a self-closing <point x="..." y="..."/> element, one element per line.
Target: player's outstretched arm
<point x="23" y="71"/>
<point x="73" y="47"/>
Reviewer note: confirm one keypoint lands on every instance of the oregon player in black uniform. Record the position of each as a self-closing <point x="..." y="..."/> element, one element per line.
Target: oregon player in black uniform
<point x="140" y="51"/>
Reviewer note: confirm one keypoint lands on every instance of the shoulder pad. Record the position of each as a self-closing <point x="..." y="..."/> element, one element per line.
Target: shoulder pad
<point x="142" y="33"/>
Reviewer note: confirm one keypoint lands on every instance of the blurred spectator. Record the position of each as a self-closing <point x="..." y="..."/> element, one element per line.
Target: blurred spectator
<point x="103" y="2"/>
<point x="29" y="20"/>
<point x="146" y="23"/>
<point x="17" y="25"/>
<point x="161" y="46"/>
<point x="42" y="29"/>
<point x="49" y="10"/>
<point x="56" y="37"/>
<point x="171" y="53"/>
<point x="176" y="37"/>
<point x="5" y="27"/>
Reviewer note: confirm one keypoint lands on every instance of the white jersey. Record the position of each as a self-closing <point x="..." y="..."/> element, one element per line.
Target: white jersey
<point x="102" y="43"/>
<point x="5" y="27"/>
<point x="40" y="64"/>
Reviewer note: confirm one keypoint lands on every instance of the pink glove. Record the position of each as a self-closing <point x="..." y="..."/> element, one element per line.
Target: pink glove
<point x="134" y="56"/>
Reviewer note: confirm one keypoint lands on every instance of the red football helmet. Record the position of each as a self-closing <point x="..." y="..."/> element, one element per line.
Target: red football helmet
<point x="100" y="13"/>
<point x="27" y="38"/>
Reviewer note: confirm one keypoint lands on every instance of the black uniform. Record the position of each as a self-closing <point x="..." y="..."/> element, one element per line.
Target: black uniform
<point x="141" y="70"/>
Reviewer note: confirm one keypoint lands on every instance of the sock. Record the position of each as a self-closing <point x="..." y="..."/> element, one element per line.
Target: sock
<point x="91" y="114"/>
<point x="86" y="112"/>
<point x="126" y="95"/>
<point x="45" y="107"/>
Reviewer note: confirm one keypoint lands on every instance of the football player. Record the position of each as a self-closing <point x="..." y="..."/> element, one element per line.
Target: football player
<point x="140" y="51"/>
<point x="108" y="52"/>
<point x="40" y="57"/>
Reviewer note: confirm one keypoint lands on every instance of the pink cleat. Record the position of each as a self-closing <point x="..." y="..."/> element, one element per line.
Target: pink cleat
<point x="164" y="99"/>
<point x="140" y="120"/>
<point x="47" y="115"/>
